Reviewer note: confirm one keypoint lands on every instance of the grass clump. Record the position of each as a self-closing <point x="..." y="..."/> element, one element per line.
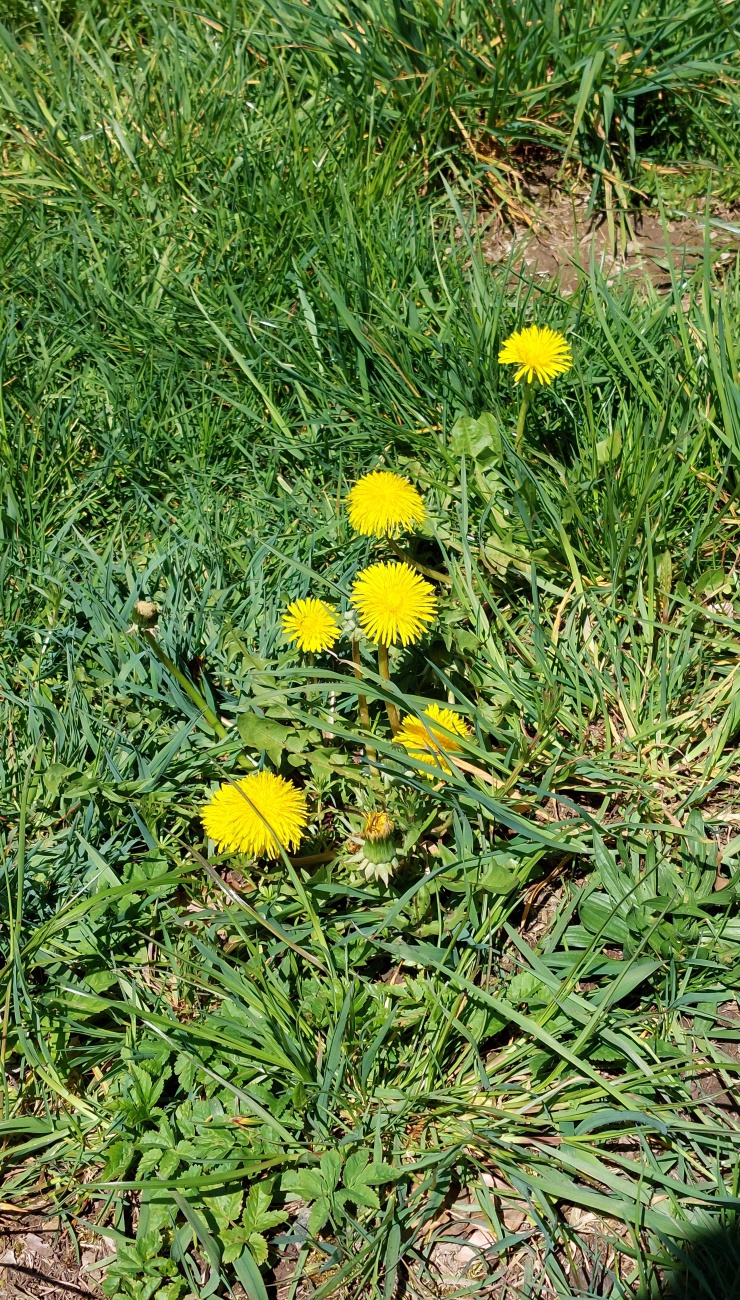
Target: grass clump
<point x="241" y="274"/>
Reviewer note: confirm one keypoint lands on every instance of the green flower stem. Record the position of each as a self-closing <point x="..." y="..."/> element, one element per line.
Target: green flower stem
<point x="311" y="660"/>
<point x="385" y="673"/>
<point x="314" y="859"/>
<point x="435" y="574"/>
<point x="361" y="699"/>
<point x="191" y="691"/>
<point x="526" y="399"/>
<point x="364" y="712"/>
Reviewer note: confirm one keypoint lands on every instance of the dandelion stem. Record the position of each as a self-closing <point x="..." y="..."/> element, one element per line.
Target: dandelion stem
<point x="385" y="673"/>
<point x="361" y="699"/>
<point x="311" y="659"/>
<point x="435" y="574"/>
<point x="190" y="690"/>
<point x="526" y="399"/>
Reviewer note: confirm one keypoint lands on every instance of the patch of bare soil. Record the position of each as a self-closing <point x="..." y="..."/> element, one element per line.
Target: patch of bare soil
<point x="462" y="1251"/>
<point x="565" y="236"/>
<point x="38" y="1258"/>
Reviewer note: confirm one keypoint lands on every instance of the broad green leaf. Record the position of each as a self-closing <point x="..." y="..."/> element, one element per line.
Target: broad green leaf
<point x="306" y="1183"/>
<point x="358" y="1194"/>
<point x="710" y="583"/>
<point x="168" y="1165"/>
<point x="149" y="1161"/>
<point x="258" y="1247"/>
<point x="56" y="776"/>
<point x="118" y="1159"/>
<point x="258" y="1201"/>
<point x="498" y="879"/>
<point x="319" y="1215"/>
<point x="263" y="734"/>
<point x="378" y="1172"/>
<point x="478" y="437"/>
<point x="331" y="1167"/>
<point x="609" y="448"/>
<point x="355" y="1166"/>
<point x="258" y="1216"/>
<point x="225" y="1208"/>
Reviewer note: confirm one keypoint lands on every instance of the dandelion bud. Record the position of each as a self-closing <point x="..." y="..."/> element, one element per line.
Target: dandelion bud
<point x="377" y="858"/>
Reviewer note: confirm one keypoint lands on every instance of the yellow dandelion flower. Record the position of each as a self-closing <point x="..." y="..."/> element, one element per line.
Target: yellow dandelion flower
<point x="311" y="624"/>
<point x="538" y="352"/>
<point x="393" y="603"/>
<point x="383" y="505"/>
<point x="257" y="815"/>
<point x="427" y="742"/>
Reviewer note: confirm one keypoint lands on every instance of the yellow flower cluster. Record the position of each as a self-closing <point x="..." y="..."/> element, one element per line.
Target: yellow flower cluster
<point x="392" y="601"/>
<point x="264" y="814"/>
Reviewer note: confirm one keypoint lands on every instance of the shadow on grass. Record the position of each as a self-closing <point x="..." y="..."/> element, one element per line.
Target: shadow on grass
<point x="705" y="1268"/>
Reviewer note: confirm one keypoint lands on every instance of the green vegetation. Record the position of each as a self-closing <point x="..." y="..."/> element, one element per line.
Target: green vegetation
<point x="240" y="267"/>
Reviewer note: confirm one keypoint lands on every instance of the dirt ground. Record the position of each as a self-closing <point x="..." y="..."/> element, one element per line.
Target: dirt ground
<point x="39" y="1259"/>
<point x="564" y="236"/>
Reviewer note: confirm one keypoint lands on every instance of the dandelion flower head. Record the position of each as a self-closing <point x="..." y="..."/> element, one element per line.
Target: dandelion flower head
<point x="384" y="505"/>
<point x="539" y="352"/>
<point x="393" y="603"/>
<point x="378" y="826"/>
<point x="258" y="815"/>
<point x="426" y="742"/>
<point x="311" y="624"/>
<point x="378" y="855"/>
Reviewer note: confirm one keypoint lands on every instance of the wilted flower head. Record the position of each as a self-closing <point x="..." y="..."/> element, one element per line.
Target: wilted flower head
<point x="539" y="352"/>
<point x="257" y="815"/>
<point x="393" y="603"/>
<point x="145" y="613"/>
<point x="383" y="504"/>
<point x="312" y="624"/>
